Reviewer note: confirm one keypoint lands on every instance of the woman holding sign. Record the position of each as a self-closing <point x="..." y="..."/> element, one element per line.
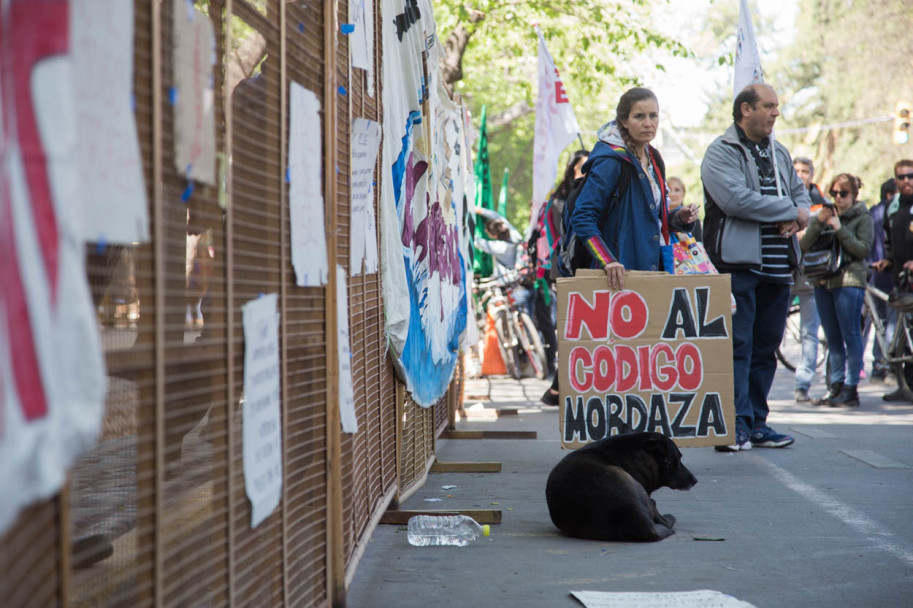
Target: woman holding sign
<point x="621" y="215"/>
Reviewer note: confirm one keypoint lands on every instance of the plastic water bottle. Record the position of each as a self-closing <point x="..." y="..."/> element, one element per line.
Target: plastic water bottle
<point x="444" y="530"/>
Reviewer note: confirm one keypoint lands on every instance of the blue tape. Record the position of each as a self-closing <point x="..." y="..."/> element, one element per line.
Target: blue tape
<point x="288" y="175"/>
<point x="173" y="96"/>
<point x="188" y="192"/>
<point x="301" y="27"/>
<point x="101" y="245"/>
<point x="347" y="28"/>
<point x="342" y="90"/>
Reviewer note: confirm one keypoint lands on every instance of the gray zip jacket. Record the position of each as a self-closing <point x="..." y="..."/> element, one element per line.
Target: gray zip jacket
<point x="735" y="208"/>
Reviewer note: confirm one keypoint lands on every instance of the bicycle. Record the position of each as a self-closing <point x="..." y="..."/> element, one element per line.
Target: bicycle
<point x="790" y="350"/>
<point x="518" y="338"/>
<point x="900" y="349"/>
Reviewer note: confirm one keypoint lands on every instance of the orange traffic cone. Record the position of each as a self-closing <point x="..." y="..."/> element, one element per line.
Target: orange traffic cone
<point x="492" y="362"/>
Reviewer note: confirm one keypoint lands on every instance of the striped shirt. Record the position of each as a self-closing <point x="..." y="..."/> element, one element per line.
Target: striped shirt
<point x="775" y="266"/>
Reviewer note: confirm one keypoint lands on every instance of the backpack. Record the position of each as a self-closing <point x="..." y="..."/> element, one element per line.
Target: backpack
<point x="570" y="251"/>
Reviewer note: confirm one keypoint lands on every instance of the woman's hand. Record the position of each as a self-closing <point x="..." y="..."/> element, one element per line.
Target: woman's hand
<point x="689" y="213"/>
<point x="614" y="274"/>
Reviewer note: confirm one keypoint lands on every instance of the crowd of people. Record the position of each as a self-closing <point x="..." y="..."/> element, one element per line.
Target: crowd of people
<point x="762" y="214"/>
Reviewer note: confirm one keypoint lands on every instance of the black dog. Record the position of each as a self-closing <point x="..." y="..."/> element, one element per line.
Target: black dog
<point x="602" y="490"/>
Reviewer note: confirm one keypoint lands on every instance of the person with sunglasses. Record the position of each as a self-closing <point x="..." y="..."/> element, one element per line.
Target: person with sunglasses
<point x="840" y="297"/>
<point x="898" y="242"/>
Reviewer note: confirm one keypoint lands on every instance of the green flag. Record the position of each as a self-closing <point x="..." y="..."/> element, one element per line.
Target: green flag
<point x="482" y="264"/>
<point x="502" y="197"/>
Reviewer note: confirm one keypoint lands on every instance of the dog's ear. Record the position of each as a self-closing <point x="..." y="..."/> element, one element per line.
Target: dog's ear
<point x="657" y="445"/>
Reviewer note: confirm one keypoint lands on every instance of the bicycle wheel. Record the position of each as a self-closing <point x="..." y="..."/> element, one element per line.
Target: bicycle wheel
<point x="790" y="351"/>
<point x="506" y="345"/>
<point x="532" y="345"/>
<point x="900" y="349"/>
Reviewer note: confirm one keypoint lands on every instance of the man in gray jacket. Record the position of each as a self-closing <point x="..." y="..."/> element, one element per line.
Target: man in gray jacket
<point x="754" y="205"/>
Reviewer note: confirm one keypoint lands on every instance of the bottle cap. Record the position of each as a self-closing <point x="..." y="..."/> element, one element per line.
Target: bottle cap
<point x="486" y="530"/>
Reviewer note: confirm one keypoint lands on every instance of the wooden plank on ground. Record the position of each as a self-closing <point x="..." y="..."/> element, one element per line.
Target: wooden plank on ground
<point x="465" y="467"/>
<point x="489" y="435"/>
<point x="482" y="516"/>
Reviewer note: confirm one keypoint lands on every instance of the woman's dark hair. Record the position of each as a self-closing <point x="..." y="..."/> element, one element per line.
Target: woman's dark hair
<point x="854" y="182"/>
<point x="623" y="109"/>
<point x="564" y="188"/>
<point x="888" y="188"/>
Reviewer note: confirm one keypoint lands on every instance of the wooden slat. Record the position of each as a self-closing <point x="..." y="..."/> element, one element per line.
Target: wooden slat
<point x="489" y="435"/>
<point x="465" y="467"/>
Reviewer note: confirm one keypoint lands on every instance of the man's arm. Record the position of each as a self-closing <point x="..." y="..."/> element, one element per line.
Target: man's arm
<point x="724" y="179"/>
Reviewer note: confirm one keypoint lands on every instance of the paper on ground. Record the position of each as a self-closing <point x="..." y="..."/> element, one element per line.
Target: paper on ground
<point x="262" y="424"/>
<point x="309" y="244"/>
<point x="703" y="598"/>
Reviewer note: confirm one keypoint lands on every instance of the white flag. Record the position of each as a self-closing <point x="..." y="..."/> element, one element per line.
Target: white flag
<point x="748" y="71"/>
<point x="747" y="60"/>
<point x="556" y="127"/>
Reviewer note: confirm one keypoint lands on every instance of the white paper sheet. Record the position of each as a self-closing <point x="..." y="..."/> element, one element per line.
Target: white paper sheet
<point x="346" y="390"/>
<point x="362" y="39"/>
<point x="363" y="239"/>
<point x="112" y="192"/>
<point x="309" y="245"/>
<point x="704" y="598"/>
<point x="193" y="96"/>
<point x="262" y="422"/>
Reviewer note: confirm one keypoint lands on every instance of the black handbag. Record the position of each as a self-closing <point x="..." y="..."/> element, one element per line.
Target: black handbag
<point x="824" y="259"/>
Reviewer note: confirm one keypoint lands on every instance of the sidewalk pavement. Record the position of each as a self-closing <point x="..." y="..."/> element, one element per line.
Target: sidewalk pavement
<point x="826" y="522"/>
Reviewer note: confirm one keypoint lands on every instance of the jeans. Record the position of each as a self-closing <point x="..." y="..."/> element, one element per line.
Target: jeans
<point x="840" y="310"/>
<point x="808" y="331"/>
<point x="757" y="329"/>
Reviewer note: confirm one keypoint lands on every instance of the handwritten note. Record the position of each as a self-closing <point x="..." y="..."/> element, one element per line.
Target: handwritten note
<point x="363" y="240"/>
<point x="362" y="39"/>
<point x="193" y="96"/>
<point x="309" y="244"/>
<point x="108" y="164"/>
<point x="262" y="424"/>
<point x="346" y="392"/>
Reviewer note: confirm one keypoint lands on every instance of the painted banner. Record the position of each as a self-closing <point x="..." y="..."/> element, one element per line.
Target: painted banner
<point x="113" y="192"/>
<point x="52" y="374"/>
<point x="423" y="275"/>
<point x="193" y="95"/>
<point x="656" y="356"/>
<point x="556" y="127"/>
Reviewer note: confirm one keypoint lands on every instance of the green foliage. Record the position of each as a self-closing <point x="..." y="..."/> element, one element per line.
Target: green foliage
<point x="591" y="42"/>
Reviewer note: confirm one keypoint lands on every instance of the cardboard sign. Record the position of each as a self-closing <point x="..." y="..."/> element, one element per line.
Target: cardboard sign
<point x="656" y="356"/>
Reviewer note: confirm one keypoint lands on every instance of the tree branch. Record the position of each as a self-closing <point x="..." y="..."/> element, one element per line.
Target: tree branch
<point x="501" y="120"/>
<point x="455" y="47"/>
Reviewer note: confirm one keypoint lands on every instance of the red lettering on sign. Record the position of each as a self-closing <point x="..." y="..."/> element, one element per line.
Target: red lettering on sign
<point x="580" y="357"/>
<point x="629" y="315"/>
<point x="663" y="375"/>
<point x="690" y="366"/>
<point x="604" y="369"/>
<point x="625" y="368"/>
<point x="595" y="317"/>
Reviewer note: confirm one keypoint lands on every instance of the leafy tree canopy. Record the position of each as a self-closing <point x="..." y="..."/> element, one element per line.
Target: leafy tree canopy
<point x="491" y="59"/>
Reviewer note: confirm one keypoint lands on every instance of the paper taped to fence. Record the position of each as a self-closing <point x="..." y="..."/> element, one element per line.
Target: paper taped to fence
<point x="656" y="356"/>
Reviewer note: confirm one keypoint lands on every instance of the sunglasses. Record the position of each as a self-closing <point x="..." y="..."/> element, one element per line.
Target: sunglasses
<point x="904" y="176"/>
<point x="840" y="193"/>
